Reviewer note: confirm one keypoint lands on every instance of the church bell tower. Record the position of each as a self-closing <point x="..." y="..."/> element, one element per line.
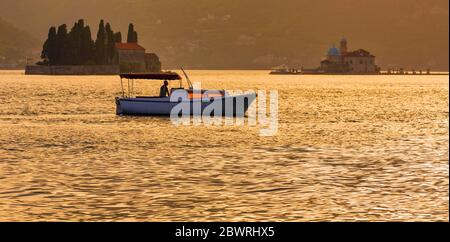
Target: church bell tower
<point x="344" y="46"/>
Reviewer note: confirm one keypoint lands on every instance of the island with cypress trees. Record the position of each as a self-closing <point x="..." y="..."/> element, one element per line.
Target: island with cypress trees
<point x="74" y="52"/>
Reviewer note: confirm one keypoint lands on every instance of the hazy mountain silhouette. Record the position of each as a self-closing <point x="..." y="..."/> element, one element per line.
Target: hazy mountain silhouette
<point x="15" y="45"/>
<point x="250" y="34"/>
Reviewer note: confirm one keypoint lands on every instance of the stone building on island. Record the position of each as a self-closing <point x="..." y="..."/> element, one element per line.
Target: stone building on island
<point x="131" y="57"/>
<point x="342" y="61"/>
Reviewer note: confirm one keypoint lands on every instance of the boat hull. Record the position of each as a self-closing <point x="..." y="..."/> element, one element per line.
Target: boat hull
<point x="235" y="106"/>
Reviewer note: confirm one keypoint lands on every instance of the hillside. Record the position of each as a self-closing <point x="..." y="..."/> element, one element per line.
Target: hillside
<point x="254" y="34"/>
<point x="15" y="45"/>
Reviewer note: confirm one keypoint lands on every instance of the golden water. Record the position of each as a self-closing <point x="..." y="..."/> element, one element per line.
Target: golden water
<point x="348" y="148"/>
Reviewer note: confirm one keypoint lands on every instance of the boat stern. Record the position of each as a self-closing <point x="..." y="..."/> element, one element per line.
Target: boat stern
<point x="119" y="110"/>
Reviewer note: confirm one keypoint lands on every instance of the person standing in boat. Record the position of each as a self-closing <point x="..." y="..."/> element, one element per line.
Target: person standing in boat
<point x="164" y="91"/>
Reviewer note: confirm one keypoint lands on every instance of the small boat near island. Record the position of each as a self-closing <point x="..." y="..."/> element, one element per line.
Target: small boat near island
<point x="284" y="70"/>
<point x="185" y="101"/>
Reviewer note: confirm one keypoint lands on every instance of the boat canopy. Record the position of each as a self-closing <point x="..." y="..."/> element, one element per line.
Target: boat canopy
<point x="153" y="76"/>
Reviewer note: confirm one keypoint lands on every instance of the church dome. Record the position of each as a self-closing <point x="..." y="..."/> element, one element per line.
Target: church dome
<point x="334" y="51"/>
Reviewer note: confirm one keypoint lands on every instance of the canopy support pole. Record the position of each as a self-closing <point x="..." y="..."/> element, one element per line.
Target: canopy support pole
<point x="128" y="87"/>
<point x="123" y="91"/>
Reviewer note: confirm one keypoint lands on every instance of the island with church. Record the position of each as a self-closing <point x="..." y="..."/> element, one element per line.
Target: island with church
<point x="344" y="61"/>
<point x="74" y="52"/>
<point x="338" y="61"/>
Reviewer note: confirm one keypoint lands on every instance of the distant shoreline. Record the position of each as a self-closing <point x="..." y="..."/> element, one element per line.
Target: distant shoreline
<point x="381" y="74"/>
<point x="78" y="70"/>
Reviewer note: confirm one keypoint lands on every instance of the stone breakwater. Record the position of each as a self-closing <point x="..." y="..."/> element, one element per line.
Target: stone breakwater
<point x="73" y="70"/>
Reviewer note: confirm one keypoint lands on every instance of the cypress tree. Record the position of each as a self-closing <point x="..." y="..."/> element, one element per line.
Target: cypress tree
<point x="132" y="34"/>
<point x="118" y="37"/>
<point x="110" y="44"/>
<point x="73" y="55"/>
<point x="100" y="44"/>
<point x="78" y="39"/>
<point x="81" y="23"/>
<point x="61" y="45"/>
<point x="135" y="37"/>
<point x="49" y="50"/>
<point x="87" y="46"/>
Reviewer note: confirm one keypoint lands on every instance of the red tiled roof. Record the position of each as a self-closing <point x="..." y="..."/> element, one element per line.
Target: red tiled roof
<point x="358" y="53"/>
<point x="129" y="46"/>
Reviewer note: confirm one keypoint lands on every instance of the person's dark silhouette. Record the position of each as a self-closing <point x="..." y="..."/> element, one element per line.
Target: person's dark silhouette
<point x="164" y="91"/>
